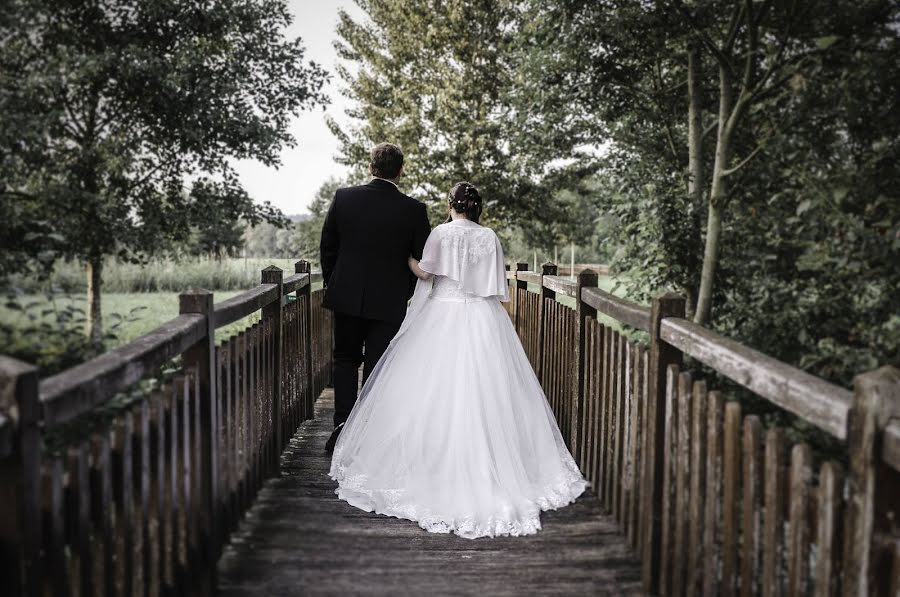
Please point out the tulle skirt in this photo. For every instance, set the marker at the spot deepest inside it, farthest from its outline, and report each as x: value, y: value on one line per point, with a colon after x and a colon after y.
x: 452, y: 429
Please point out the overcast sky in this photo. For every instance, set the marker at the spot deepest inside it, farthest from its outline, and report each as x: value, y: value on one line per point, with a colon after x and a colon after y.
x: 306, y: 166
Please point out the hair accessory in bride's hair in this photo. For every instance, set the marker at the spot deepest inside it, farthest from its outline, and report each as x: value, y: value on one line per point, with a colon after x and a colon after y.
x: 465, y: 199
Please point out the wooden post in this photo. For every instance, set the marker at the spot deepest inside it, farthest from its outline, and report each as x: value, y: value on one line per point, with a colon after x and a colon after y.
x: 20, y: 481
x: 872, y: 485
x: 520, y: 267
x: 548, y: 269
x: 303, y: 267
x: 661, y: 357
x: 508, y: 306
x: 585, y: 279
x: 202, y: 357
x: 274, y: 311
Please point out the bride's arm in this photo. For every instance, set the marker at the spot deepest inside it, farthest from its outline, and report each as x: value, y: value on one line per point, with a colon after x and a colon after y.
x: 419, y: 272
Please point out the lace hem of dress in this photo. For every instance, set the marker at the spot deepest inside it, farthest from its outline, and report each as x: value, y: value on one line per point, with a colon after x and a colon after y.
x: 564, y: 490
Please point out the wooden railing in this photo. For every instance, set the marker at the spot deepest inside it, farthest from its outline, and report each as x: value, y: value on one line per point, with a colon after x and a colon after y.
x: 712, y: 502
x: 108, y: 490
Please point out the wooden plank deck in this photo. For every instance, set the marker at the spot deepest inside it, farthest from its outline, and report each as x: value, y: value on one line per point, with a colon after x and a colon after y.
x: 299, y: 539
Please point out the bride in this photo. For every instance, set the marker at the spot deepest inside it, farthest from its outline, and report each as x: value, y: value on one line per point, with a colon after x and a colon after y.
x: 452, y: 428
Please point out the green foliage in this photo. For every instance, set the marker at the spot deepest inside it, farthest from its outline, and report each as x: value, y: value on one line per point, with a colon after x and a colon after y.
x: 109, y: 109
x: 48, y: 331
x: 441, y: 80
x: 218, y: 214
x: 47, y: 328
x: 299, y: 237
x: 810, y: 253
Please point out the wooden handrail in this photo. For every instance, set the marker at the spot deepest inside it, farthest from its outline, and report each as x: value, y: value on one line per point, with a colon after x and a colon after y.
x: 819, y: 402
x: 242, y: 305
x: 75, y: 391
x: 559, y: 285
x: 633, y: 314
x: 532, y: 277
x: 294, y: 282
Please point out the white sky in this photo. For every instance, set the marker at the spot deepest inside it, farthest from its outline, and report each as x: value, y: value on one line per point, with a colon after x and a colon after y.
x: 311, y: 162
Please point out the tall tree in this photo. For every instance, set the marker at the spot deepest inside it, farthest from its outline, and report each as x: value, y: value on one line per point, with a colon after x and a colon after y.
x: 805, y: 210
x: 218, y: 212
x: 614, y: 72
x: 758, y: 47
x: 110, y: 108
x: 440, y: 78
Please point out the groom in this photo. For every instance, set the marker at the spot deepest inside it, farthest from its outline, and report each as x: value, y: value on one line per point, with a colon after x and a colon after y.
x: 369, y: 233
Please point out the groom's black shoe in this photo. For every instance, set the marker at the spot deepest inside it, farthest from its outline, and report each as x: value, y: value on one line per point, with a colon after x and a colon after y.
x: 329, y: 445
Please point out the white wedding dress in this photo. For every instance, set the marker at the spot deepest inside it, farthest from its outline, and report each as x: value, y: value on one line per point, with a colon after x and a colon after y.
x: 452, y: 429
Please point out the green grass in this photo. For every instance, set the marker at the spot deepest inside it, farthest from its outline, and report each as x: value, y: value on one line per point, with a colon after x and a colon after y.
x: 161, y: 275
x: 128, y: 315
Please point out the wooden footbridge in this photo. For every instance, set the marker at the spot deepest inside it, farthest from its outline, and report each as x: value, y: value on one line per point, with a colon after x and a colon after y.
x: 186, y: 463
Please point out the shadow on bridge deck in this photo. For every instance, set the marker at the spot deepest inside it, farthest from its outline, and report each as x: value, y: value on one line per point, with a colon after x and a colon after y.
x: 299, y: 539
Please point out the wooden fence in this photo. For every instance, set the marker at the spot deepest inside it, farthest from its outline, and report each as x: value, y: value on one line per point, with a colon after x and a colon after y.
x: 712, y: 502
x: 110, y: 491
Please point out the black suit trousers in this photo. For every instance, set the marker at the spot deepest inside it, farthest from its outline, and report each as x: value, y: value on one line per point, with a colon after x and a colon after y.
x: 356, y: 340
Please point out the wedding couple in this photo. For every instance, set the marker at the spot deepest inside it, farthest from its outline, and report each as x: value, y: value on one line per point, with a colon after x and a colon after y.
x: 451, y: 427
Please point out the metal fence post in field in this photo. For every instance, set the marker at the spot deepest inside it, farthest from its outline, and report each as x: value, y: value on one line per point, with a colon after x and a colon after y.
x: 274, y: 312
x: 662, y: 355
x: 585, y: 279
x: 873, y: 487
x: 20, y: 478
x: 202, y: 358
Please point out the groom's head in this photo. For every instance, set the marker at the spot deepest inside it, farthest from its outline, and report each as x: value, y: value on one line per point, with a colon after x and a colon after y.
x: 386, y: 161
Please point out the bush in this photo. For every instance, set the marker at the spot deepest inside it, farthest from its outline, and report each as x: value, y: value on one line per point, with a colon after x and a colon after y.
x: 50, y: 333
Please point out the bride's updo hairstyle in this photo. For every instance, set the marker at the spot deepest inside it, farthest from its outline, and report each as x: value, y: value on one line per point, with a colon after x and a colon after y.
x: 465, y: 199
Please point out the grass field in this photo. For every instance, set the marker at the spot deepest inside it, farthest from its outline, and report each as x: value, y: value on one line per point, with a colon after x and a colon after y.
x: 128, y: 315
x: 159, y: 275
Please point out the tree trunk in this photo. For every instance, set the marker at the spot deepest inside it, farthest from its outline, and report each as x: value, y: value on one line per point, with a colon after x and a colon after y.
x: 695, y: 146
x: 710, y: 258
x: 717, y: 196
x: 695, y: 129
x: 95, y: 315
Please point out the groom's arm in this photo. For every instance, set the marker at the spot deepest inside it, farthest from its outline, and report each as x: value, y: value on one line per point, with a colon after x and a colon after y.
x: 329, y: 243
x: 421, y: 231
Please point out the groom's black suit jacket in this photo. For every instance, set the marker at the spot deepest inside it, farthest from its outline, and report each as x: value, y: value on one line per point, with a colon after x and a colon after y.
x: 369, y: 233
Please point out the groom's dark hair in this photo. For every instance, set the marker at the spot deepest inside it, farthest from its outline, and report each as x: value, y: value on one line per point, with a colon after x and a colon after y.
x: 386, y: 160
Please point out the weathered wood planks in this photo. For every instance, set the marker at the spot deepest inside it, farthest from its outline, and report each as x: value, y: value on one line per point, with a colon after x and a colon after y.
x: 300, y: 538
x: 821, y: 403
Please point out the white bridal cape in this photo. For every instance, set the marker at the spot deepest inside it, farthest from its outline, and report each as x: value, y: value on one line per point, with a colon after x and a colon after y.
x: 452, y: 428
